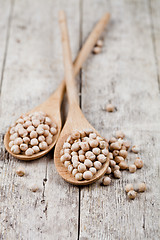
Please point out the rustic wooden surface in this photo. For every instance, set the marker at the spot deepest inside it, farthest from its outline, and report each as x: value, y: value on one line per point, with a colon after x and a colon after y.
x: 126, y: 73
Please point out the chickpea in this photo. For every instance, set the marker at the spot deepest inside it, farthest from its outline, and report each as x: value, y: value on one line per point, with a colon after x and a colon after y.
x: 123, y: 165
x: 35, y: 122
x: 67, y: 150
x: 79, y: 176
x: 75, y: 158
x: 99, y: 43
x: 26, y: 140
x: 112, y: 140
x: 12, y: 130
x: 127, y: 145
x: 11, y: 143
x: 33, y: 134
x: 27, y: 124
x: 53, y: 131
x: 81, y: 158
x: 65, y: 157
x: 115, y: 146
x: 119, y: 159
x: 93, y: 170
x: 76, y: 134
x: 93, y: 143
x: 23, y: 147
x: 115, y: 153
x: 93, y: 135
x: 88, y: 131
x: 114, y: 168
x: 22, y: 132
x: 70, y: 140
x: 20, y: 171
x: 75, y: 163
x: 87, y: 175
x: 29, y: 152
x: 49, y: 140
x: 75, y: 147
x: 96, y: 50
x: 30, y: 129
x: 34, y: 142
x: 106, y: 181
x: 81, y: 168
x: 120, y: 134
x: 40, y: 138
x: 40, y: 130
x: 105, y: 152
x: 82, y: 134
x: 46, y: 127
x: 70, y: 168
x: 81, y: 152
x: 132, y: 194
x: 74, y: 172
x: 108, y: 171
x: 67, y: 163
x: 112, y: 163
x: 96, y: 151
x: 132, y: 168
x: 18, y: 141
x: 110, y: 155
x: 90, y: 155
x: 117, y: 174
x: 35, y: 149
x: 43, y: 145
x: 123, y: 153
x: 129, y: 187
x: 88, y: 163
x: 48, y: 121
x: 110, y: 108
x: 138, y: 162
x: 97, y: 165
x: 101, y: 158
x: 142, y: 187
x: 15, y: 149
x: 102, y: 144
x: 85, y: 146
x: 74, y: 153
x: 66, y: 145
x: 135, y: 149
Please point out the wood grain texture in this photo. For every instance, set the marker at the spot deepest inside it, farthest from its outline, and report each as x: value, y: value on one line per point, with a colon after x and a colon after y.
x: 125, y: 75
x: 33, y: 70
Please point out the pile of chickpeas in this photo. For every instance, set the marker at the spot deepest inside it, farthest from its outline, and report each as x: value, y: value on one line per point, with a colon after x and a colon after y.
x: 118, y: 152
x: 32, y: 133
x: 84, y: 153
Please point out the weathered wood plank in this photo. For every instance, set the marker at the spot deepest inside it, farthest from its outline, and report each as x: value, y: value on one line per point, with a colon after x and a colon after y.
x: 124, y: 74
x: 33, y: 69
x: 155, y: 28
x: 5, y: 15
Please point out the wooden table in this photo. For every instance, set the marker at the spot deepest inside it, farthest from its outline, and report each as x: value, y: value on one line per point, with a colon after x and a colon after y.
x: 125, y: 73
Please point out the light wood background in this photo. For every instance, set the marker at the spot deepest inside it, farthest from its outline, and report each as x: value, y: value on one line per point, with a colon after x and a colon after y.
x: 126, y: 73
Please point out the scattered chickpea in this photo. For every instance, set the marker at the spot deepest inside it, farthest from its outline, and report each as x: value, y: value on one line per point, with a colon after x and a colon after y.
x: 120, y: 134
x: 106, y: 181
x: 127, y: 145
x: 139, y: 163
x: 99, y: 43
x: 142, y: 187
x: 110, y: 108
x: 20, y: 171
x: 123, y: 153
x: 135, y: 149
x: 132, y: 168
x: 117, y: 174
x: 123, y: 165
x: 132, y: 194
x: 34, y: 188
x: 119, y: 159
x: 96, y: 50
x: 129, y: 187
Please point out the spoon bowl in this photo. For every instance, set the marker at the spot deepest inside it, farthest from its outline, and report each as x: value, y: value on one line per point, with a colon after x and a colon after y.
x: 80, y: 123
x: 52, y: 108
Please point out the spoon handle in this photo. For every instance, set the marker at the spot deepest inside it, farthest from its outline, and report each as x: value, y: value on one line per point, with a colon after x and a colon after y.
x: 71, y: 72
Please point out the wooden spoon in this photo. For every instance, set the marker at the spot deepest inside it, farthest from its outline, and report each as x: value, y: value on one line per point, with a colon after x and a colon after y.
x: 75, y: 119
x: 52, y: 105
